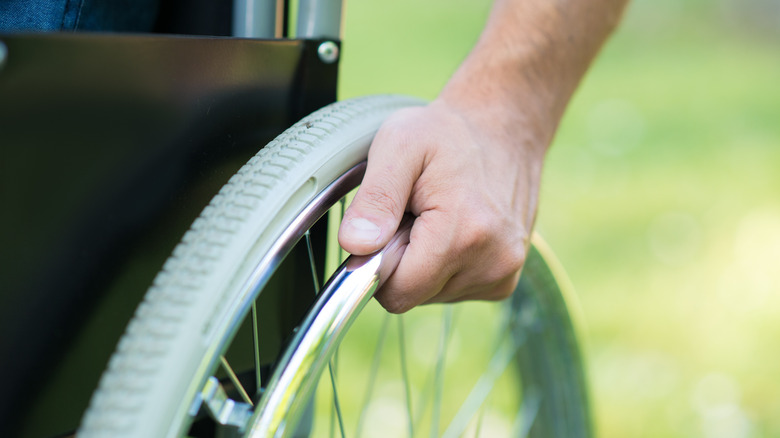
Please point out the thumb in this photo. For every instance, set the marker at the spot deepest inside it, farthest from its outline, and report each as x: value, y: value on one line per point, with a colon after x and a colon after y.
x: 376, y: 211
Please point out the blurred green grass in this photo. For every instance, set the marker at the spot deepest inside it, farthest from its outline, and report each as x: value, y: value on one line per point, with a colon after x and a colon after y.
x: 660, y: 196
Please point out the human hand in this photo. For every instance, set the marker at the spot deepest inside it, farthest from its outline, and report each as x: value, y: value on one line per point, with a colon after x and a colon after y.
x: 472, y: 186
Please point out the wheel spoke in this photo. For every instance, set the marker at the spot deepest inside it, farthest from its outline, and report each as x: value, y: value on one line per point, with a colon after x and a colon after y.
x: 505, y: 348
x: 429, y: 385
x: 478, y: 429
x: 315, y: 279
x: 336, y: 404
x: 256, y: 342
x: 484, y: 386
x: 424, y: 399
x: 312, y: 264
x: 405, y: 373
x: 233, y: 378
x: 373, y: 373
x: 438, y: 387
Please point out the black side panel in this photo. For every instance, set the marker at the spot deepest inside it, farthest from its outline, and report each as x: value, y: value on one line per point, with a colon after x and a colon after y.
x: 109, y: 147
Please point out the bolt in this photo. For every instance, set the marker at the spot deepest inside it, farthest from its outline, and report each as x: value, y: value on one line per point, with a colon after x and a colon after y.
x: 3, y: 54
x: 328, y: 52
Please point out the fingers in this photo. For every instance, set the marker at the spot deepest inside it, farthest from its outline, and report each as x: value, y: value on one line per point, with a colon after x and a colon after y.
x: 424, y: 268
x: 449, y: 259
x: 372, y: 218
x: 496, y: 291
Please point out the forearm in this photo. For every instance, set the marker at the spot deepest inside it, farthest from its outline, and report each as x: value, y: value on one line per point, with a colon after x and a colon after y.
x: 528, y: 61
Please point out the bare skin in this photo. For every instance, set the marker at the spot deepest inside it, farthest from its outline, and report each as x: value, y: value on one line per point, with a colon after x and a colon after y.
x: 468, y: 165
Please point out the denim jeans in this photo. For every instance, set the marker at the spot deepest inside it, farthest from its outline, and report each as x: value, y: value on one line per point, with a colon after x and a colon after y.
x: 77, y: 15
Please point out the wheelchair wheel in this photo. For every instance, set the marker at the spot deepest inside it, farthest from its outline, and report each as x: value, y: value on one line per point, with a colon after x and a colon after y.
x: 234, y: 334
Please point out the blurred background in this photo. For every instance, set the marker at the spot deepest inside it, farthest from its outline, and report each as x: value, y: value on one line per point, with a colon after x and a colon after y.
x: 661, y: 196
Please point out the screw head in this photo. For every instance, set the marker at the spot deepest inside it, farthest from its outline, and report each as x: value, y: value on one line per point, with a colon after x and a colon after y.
x: 328, y: 52
x: 3, y: 54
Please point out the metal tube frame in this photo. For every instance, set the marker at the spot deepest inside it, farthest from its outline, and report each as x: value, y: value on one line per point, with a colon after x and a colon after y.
x: 317, y: 19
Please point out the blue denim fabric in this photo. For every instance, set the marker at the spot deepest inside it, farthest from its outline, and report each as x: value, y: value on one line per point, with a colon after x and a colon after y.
x: 77, y: 15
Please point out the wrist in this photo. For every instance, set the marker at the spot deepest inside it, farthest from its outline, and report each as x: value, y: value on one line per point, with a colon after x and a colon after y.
x: 513, y: 113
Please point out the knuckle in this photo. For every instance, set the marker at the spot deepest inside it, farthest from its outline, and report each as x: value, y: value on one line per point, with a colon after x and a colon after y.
x: 497, y: 262
x: 508, y: 263
x: 514, y: 257
x: 478, y: 234
x: 482, y: 233
x: 396, y: 130
x: 404, y: 116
